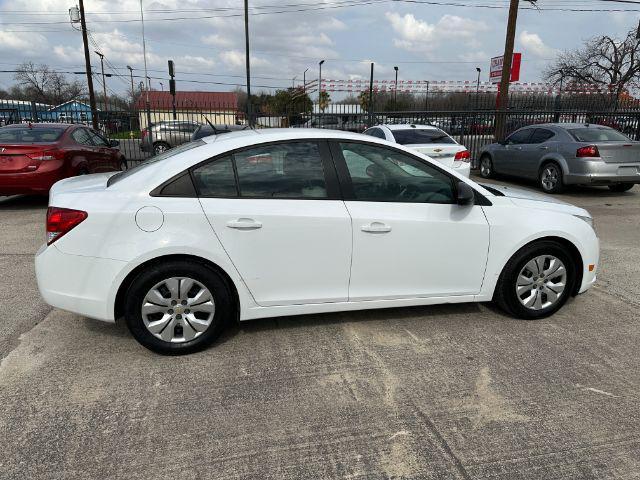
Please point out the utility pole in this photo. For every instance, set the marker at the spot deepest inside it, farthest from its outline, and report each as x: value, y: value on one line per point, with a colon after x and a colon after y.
x: 104, y: 82
x: 503, y: 93
x: 293, y: 82
x: 395, y: 90
x: 246, y: 41
x: 133, y: 93
x: 87, y: 61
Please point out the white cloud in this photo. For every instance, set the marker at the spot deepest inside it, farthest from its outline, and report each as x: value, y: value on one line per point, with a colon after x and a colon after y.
x: 532, y: 43
x: 24, y: 43
x: 419, y: 36
x: 217, y: 40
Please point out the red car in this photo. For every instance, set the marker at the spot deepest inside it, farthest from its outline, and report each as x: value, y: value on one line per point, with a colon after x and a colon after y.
x: 35, y: 156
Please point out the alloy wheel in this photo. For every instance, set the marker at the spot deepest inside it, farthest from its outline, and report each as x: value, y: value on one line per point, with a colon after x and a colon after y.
x: 160, y: 148
x: 541, y: 282
x: 550, y: 177
x: 485, y: 167
x: 178, y: 309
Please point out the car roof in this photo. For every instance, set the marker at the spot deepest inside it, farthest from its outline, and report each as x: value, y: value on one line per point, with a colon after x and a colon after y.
x: 567, y: 125
x: 405, y: 126
x: 60, y: 126
x: 275, y: 134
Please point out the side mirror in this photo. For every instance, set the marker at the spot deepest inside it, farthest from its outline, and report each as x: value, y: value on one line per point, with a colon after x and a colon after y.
x: 465, y: 194
x: 114, y: 143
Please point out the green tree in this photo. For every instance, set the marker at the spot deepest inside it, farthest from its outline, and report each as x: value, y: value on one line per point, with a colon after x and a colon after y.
x: 324, y: 100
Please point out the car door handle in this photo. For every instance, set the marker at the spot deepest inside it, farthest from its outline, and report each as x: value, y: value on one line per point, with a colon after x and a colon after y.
x: 376, y: 227
x: 543, y: 148
x: 244, y: 224
x: 518, y: 148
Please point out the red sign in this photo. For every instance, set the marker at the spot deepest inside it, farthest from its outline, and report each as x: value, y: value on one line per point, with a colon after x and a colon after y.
x: 495, y: 71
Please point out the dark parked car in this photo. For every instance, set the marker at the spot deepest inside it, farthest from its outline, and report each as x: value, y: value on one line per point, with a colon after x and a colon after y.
x: 208, y: 130
x: 559, y: 154
x: 35, y: 156
x: 166, y: 135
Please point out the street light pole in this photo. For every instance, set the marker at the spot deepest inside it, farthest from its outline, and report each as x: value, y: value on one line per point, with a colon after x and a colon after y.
x: 133, y: 93
x: 147, y: 103
x: 395, y: 90
x: 104, y: 82
x: 304, y: 81
x: 320, y: 81
x: 478, y: 88
x: 293, y: 82
x: 161, y: 86
x: 87, y: 61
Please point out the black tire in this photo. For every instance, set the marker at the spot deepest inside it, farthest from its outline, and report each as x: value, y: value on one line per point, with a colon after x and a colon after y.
x: 555, y: 171
x: 486, y: 169
x: 124, y: 165
x: 160, y: 147
x: 506, y: 295
x: 621, y: 187
x: 145, y: 281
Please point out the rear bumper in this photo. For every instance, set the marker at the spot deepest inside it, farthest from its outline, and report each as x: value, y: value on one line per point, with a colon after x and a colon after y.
x: 76, y: 283
x: 602, y: 173
x: 463, y: 169
x: 38, y: 181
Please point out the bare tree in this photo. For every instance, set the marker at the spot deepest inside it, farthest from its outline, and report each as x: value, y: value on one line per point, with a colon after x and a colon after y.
x: 40, y: 83
x: 605, y: 61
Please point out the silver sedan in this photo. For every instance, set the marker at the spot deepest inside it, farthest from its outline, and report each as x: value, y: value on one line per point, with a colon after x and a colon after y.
x: 560, y: 154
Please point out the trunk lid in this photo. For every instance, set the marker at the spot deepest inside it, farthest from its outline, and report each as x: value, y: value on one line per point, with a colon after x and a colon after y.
x: 15, y: 159
x: 442, y: 153
x: 619, y: 152
x: 82, y: 183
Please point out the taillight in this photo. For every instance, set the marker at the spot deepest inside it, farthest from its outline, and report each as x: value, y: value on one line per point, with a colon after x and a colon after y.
x: 588, y: 151
x: 463, y: 155
x: 46, y: 155
x: 62, y: 220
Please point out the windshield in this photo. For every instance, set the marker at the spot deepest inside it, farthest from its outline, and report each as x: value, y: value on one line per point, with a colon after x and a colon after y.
x: 18, y: 135
x: 153, y: 160
x: 415, y: 136
x: 598, y: 134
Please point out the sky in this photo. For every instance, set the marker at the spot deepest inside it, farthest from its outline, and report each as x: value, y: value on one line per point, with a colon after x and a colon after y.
x: 205, y: 38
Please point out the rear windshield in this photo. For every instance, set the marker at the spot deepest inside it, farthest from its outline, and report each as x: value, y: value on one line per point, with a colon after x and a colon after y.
x: 413, y: 136
x: 598, y: 134
x: 17, y: 135
x: 153, y: 160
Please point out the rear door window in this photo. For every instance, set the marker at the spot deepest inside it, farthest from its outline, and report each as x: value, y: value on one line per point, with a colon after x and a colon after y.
x: 541, y: 135
x: 82, y: 136
x: 416, y: 136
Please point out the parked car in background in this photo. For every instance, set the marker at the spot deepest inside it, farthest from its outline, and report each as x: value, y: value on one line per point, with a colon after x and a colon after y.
x: 429, y: 140
x: 166, y: 135
x: 35, y: 156
x: 348, y: 122
x: 207, y: 130
x: 560, y: 154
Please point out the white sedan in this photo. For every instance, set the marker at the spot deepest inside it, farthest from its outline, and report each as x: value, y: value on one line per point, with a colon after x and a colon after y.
x: 293, y: 221
x: 431, y: 141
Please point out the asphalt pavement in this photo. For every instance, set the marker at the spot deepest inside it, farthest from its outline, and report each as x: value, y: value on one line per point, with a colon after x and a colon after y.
x: 440, y: 392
